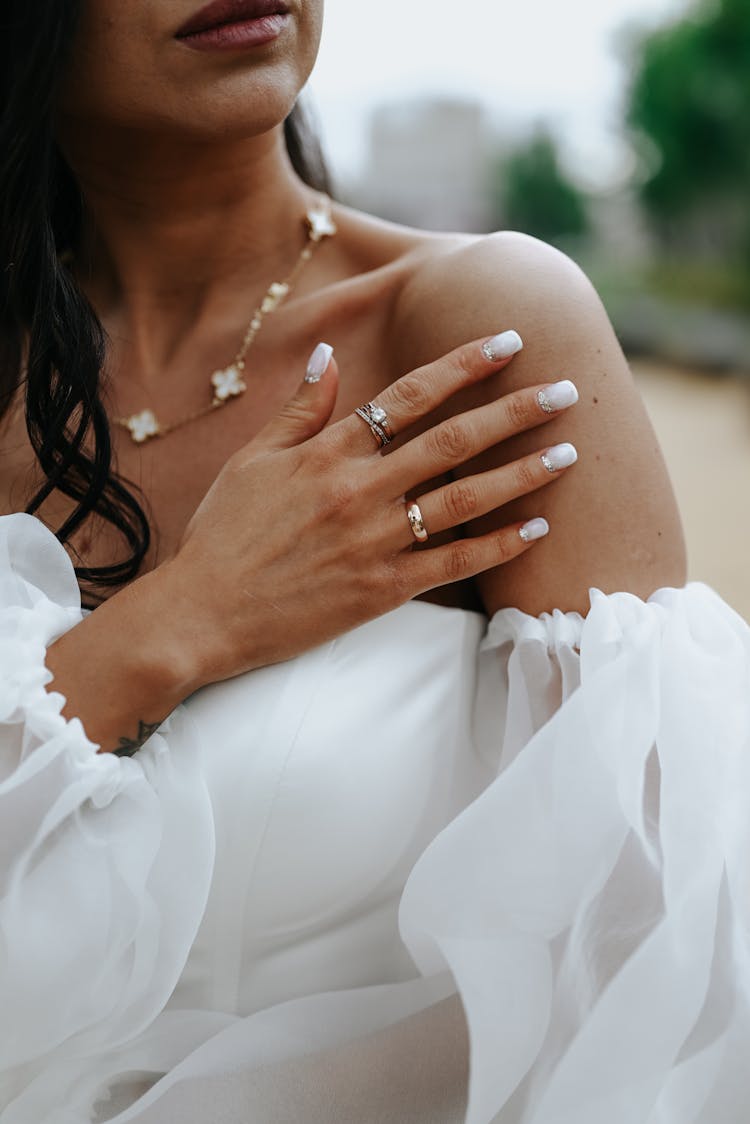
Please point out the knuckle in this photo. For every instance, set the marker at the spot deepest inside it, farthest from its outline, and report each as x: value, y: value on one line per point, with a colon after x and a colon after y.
x: 465, y: 362
x: 295, y: 420
x: 457, y: 561
x: 325, y: 454
x: 394, y: 582
x: 525, y: 477
x: 450, y: 442
x: 518, y: 412
x: 341, y: 494
x: 409, y: 396
x: 504, y: 548
x: 381, y: 587
x: 323, y: 451
x: 294, y: 411
x: 461, y: 501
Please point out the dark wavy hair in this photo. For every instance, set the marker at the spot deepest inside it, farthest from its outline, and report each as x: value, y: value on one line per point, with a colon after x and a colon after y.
x: 51, y: 339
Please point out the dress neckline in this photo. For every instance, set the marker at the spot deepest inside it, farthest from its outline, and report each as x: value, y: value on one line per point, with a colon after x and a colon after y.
x: 449, y: 608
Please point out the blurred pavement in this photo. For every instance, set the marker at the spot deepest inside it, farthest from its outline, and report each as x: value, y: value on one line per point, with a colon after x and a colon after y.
x: 703, y: 425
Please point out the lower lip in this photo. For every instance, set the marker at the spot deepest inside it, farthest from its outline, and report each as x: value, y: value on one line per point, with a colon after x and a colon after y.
x: 237, y: 36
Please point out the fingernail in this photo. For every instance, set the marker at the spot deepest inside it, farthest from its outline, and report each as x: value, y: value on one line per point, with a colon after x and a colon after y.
x: 559, y: 456
x: 558, y: 396
x: 318, y: 363
x: 502, y: 346
x: 534, y: 529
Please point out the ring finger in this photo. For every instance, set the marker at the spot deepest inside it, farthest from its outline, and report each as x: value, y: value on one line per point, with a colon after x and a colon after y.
x: 473, y: 496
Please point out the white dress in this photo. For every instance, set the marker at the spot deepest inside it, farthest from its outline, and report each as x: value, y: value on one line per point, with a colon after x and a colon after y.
x: 292, y: 903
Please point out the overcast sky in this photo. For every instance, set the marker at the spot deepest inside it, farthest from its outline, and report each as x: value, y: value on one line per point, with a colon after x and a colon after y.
x: 525, y: 59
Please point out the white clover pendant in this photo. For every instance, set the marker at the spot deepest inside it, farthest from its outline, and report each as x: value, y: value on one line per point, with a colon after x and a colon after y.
x: 227, y: 383
x: 142, y: 426
x: 321, y: 223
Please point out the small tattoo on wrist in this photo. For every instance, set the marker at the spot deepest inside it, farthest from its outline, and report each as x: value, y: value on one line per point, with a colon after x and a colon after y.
x: 129, y: 746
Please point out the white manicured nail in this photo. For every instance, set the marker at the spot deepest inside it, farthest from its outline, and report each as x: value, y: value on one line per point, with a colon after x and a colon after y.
x: 557, y: 396
x: 534, y: 529
x: 559, y: 456
x: 502, y: 346
x: 319, y: 361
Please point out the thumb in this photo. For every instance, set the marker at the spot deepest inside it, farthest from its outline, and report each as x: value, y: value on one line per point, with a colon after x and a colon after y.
x: 308, y: 410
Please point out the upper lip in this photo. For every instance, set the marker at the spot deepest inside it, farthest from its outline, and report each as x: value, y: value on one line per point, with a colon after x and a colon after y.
x: 230, y: 11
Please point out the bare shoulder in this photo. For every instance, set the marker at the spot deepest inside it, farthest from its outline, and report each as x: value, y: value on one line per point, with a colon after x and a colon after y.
x: 481, y: 284
x: 613, y: 517
x: 370, y: 243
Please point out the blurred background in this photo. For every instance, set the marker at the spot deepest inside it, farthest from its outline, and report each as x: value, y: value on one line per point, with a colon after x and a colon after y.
x: 620, y: 132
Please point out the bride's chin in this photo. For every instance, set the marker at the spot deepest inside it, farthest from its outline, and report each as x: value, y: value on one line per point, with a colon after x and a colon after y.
x: 198, y: 101
x: 229, y: 124
x: 245, y: 103
x: 210, y: 115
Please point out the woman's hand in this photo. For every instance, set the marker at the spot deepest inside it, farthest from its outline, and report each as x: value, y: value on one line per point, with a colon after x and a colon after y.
x: 304, y: 533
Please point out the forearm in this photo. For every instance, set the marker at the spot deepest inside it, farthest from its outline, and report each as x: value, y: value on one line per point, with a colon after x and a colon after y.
x: 127, y: 665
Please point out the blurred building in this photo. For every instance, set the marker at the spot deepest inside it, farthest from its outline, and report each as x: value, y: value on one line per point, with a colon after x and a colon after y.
x: 428, y: 165
x: 620, y: 232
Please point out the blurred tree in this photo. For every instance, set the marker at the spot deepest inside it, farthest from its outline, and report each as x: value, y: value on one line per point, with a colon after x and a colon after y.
x: 689, y: 106
x: 533, y: 194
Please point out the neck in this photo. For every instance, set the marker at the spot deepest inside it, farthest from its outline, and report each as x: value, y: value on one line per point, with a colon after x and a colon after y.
x: 177, y: 232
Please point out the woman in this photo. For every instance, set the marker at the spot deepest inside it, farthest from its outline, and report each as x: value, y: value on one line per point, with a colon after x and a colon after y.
x: 344, y: 819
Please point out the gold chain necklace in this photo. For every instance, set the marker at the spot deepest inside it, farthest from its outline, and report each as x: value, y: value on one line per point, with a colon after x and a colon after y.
x: 227, y: 383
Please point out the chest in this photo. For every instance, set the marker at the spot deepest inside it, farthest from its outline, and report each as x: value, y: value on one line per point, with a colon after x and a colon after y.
x: 172, y: 474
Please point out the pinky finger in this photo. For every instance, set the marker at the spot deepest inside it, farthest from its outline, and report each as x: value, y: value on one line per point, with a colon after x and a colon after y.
x: 466, y: 558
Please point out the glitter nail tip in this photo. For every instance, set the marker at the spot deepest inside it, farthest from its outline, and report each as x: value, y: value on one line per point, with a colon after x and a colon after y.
x: 502, y: 346
x: 558, y: 396
x: 559, y: 457
x: 534, y: 529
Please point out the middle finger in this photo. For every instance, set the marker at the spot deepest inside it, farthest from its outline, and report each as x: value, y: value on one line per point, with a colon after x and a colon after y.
x: 461, y: 501
x: 458, y: 439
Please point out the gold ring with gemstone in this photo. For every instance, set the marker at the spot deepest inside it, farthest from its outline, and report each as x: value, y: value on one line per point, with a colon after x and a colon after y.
x: 416, y: 522
x: 377, y: 419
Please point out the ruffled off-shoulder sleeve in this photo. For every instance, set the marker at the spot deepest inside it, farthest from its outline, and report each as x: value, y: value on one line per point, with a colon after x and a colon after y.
x: 104, y: 862
x: 593, y: 904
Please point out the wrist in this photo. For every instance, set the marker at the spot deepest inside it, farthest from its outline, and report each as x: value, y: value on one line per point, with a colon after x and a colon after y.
x: 217, y: 640
x: 166, y: 637
x: 125, y: 667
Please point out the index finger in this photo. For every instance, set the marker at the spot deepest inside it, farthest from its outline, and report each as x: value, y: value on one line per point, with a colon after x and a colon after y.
x: 423, y: 389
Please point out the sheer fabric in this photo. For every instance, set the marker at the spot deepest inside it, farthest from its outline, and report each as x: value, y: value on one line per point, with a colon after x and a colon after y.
x: 440, y: 869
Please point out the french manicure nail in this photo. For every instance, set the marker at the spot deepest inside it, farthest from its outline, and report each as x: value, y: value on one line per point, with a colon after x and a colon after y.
x: 502, y: 346
x: 559, y: 457
x: 557, y: 396
x: 318, y: 363
x: 534, y: 529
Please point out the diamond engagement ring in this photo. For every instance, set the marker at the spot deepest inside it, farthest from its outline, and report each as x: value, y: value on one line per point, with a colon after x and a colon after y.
x: 377, y: 419
x: 416, y: 522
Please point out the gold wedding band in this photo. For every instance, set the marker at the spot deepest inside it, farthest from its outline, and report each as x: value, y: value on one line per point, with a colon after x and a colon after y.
x: 416, y: 522
x: 377, y: 419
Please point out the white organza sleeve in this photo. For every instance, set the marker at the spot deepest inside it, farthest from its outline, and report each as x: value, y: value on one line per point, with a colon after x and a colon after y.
x: 593, y: 905
x: 104, y: 862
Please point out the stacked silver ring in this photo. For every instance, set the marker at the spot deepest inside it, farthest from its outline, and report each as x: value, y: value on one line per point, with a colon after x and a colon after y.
x: 377, y: 419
